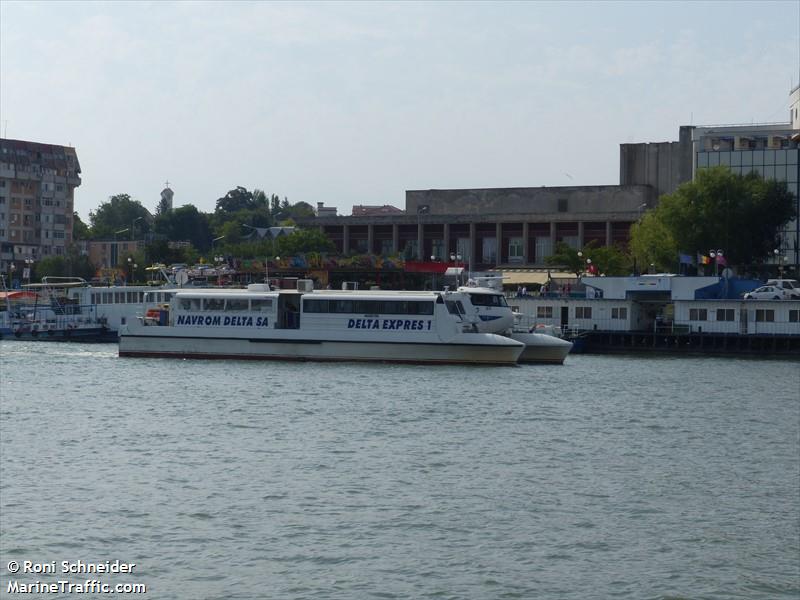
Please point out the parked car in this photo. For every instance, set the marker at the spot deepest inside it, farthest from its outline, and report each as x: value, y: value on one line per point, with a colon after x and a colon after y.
x: 766, y: 292
x: 790, y: 286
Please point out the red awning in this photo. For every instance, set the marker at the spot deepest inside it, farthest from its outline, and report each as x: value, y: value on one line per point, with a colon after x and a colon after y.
x: 17, y: 295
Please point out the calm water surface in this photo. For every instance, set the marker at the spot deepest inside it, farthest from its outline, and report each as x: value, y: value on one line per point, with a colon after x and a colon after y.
x: 609, y: 477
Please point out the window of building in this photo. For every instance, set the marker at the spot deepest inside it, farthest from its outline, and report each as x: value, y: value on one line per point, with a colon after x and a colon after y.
x: 563, y: 205
x: 766, y: 315
x: 619, y: 313
x: 515, y: 249
x: 725, y: 314
x: 437, y: 249
x: 583, y: 312
x: 698, y: 314
x: 544, y: 312
x: 794, y: 315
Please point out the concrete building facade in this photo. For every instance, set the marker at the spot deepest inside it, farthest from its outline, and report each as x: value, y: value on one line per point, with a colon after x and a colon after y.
x: 495, y: 226
x: 37, y: 184
x: 771, y: 150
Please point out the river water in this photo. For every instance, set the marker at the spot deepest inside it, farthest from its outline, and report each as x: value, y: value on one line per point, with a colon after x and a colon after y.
x: 606, y: 477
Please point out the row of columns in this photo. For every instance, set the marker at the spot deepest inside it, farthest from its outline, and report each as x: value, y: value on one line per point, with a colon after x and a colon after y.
x: 472, y: 236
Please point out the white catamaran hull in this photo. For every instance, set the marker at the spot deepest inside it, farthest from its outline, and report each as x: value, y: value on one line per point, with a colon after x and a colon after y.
x: 501, y: 351
x: 541, y: 348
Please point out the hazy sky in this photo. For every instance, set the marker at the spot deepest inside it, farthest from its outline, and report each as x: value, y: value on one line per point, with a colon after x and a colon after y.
x: 354, y: 103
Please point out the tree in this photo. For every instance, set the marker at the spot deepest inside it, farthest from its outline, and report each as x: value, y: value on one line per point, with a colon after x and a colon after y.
x: 301, y: 241
x: 120, y: 212
x: 80, y: 231
x: 718, y: 210
x: 185, y: 223
x: 163, y: 206
x: 299, y: 210
x: 73, y: 264
x: 652, y: 243
x: 608, y: 260
x: 236, y: 199
x: 566, y: 256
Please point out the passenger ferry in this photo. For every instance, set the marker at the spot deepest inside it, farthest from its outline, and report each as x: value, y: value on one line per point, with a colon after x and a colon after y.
x: 45, y: 312
x: 302, y: 324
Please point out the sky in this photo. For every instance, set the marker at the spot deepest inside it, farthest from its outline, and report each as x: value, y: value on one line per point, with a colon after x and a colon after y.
x: 355, y: 103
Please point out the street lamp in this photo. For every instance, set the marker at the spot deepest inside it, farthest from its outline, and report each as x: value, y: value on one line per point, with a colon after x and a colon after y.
x: 133, y: 226
x: 215, y: 240
x: 132, y: 266
x: 115, y: 250
x: 266, y: 266
x: 781, y: 260
x: 28, y: 269
x: 456, y: 258
x: 588, y: 261
x: 716, y: 256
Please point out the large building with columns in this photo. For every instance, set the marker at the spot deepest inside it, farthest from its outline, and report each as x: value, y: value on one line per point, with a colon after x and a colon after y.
x: 495, y: 226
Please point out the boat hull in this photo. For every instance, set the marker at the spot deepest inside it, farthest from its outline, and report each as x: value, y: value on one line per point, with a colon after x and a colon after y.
x: 155, y: 345
x: 542, y: 348
x: 86, y: 335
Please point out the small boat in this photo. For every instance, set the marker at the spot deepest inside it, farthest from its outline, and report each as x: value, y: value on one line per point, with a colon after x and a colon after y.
x: 303, y: 324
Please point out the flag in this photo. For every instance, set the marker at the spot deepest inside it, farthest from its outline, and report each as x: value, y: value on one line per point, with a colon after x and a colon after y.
x: 703, y: 259
x: 685, y: 259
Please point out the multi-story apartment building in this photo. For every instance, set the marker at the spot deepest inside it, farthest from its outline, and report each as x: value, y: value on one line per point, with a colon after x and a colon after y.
x: 37, y: 185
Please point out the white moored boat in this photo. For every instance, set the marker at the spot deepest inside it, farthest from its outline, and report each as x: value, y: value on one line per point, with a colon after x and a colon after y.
x: 491, y: 314
x: 257, y: 323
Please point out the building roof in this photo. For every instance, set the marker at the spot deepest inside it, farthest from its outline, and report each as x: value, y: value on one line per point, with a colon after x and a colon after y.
x: 363, y: 210
x: 21, y: 152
